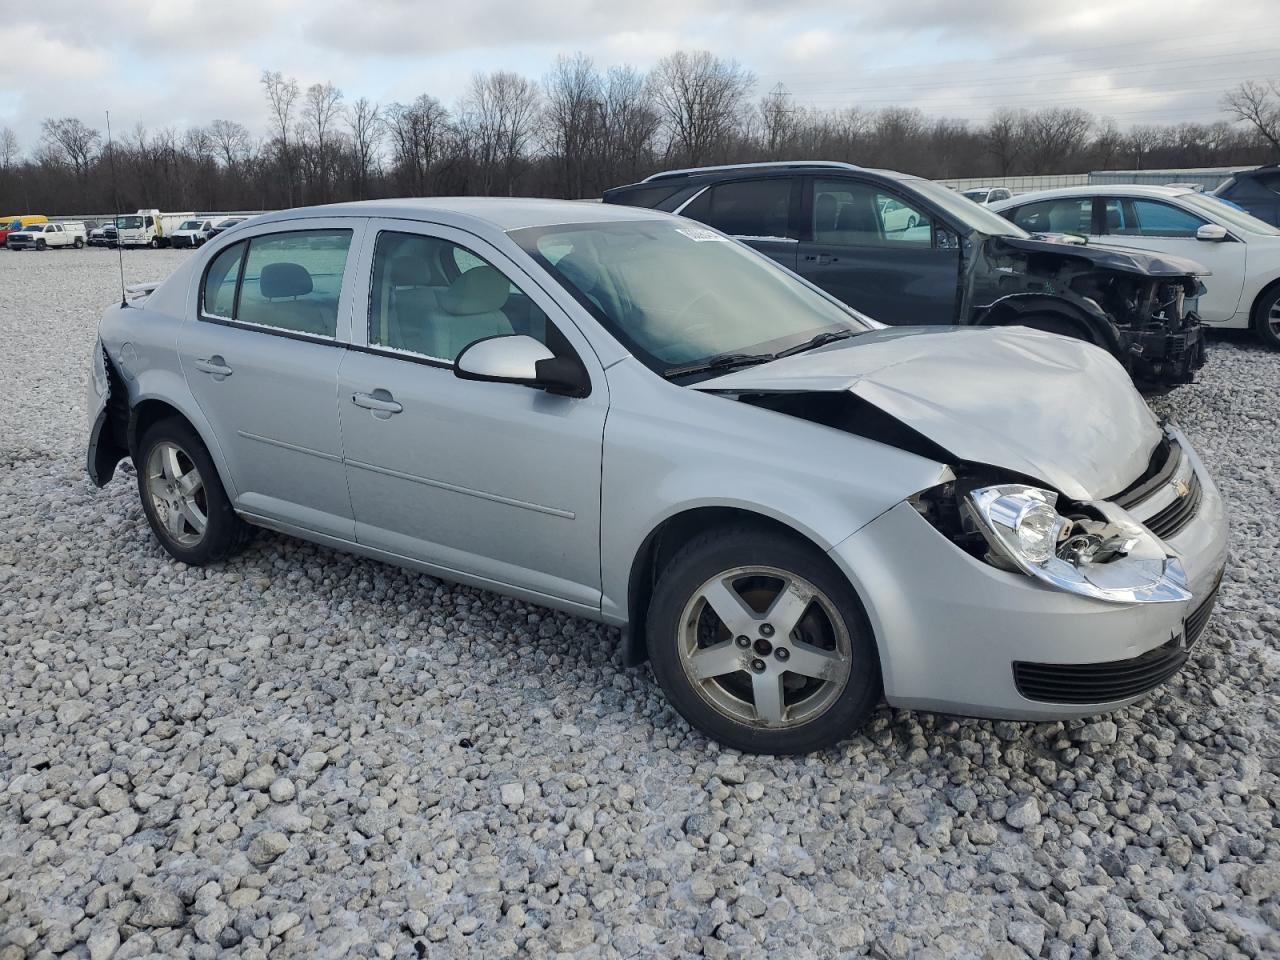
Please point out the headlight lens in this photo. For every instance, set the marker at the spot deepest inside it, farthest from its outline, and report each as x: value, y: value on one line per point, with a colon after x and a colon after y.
x: 1106, y: 555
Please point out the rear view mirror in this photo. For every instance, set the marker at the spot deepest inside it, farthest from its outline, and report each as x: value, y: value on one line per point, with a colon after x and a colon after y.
x: 521, y: 359
x: 1212, y: 232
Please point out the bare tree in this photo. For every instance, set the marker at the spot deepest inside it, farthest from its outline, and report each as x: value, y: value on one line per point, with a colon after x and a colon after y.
x: 1056, y: 135
x: 9, y: 151
x: 231, y: 140
x: 418, y: 133
x: 1258, y: 105
x: 1141, y: 140
x: 73, y: 141
x: 777, y: 121
x: 364, y: 120
x: 630, y: 127
x: 282, y: 95
x: 497, y: 118
x: 1003, y: 138
x: 700, y: 98
x: 322, y: 107
x: 573, y: 116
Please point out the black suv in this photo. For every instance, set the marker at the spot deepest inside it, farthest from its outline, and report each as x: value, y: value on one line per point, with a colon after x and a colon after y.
x: 909, y: 251
x: 1256, y: 191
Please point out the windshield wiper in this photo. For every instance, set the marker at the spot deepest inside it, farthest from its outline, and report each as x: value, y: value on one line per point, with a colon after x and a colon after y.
x: 724, y: 361
x: 821, y: 340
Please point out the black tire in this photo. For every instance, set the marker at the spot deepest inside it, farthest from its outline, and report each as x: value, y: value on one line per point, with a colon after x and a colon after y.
x: 78, y: 243
x: 1265, y: 325
x: 155, y: 243
x: 224, y: 533
x: 1048, y: 323
x: 706, y: 558
x: 41, y: 245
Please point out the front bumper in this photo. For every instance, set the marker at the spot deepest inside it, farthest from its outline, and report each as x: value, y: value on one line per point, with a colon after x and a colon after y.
x: 957, y: 635
x: 1161, y: 357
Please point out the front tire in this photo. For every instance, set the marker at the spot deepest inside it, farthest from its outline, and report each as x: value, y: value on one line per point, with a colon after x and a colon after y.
x: 41, y: 245
x: 1266, y: 318
x: 760, y: 642
x: 155, y: 243
x: 183, y: 497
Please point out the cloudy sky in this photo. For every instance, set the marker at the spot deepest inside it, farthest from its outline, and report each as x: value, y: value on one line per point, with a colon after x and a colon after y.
x: 173, y: 62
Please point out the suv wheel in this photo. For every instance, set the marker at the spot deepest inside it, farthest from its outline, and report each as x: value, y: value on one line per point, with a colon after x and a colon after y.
x: 1266, y: 318
x: 183, y: 497
x: 760, y: 642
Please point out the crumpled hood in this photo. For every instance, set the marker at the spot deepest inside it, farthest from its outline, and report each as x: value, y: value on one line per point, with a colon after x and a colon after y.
x: 1151, y: 263
x: 1059, y: 410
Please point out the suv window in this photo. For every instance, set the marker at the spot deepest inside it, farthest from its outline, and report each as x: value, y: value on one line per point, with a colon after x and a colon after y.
x: 745, y: 208
x: 858, y: 214
x: 1149, y: 218
x: 289, y: 281
x: 432, y: 297
x: 1061, y: 215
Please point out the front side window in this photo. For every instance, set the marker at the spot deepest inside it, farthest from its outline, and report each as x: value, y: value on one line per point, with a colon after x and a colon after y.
x: 433, y: 298
x: 289, y: 281
x: 1149, y: 218
x: 745, y: 208
x: 1059, y: 215
x: 674, y: 293
x: 857, y: 214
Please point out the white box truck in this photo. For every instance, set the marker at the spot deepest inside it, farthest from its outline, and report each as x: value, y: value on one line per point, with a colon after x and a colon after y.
x: 148, y: 228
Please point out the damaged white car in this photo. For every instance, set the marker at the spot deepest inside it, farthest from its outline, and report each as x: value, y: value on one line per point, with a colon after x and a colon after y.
x: 787, y: 508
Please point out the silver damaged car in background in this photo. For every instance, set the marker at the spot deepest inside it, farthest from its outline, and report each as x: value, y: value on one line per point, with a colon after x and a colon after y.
x: 789, y: 509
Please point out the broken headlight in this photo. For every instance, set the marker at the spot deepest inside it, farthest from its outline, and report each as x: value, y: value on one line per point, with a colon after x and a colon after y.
x: 1098, y: 551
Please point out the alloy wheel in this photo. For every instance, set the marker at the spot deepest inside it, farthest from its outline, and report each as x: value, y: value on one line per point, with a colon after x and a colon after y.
x: 1273, y: 318
x: 765, y: 647
x: 177, y: 493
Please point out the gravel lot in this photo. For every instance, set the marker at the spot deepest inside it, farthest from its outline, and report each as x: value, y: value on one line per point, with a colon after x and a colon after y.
x: 304, y: 754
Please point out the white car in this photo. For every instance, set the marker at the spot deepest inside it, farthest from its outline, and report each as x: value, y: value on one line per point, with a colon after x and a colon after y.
x: 1242, y: 251
x: 986, y: 195
x: 41, y: 236
x: 193, y: 233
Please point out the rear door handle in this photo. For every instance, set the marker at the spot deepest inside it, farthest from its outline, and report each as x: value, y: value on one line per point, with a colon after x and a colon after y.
x: 380, y: 401
x: 215, y: 366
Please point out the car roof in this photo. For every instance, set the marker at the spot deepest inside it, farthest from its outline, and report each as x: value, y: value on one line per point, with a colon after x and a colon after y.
x: 1102, y: 190
x: 502, y: 213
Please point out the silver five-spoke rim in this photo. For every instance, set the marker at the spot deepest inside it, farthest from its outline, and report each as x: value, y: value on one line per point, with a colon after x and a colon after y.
x: 765, y: 647
x: 177, y: 493
x: 1273, y: 318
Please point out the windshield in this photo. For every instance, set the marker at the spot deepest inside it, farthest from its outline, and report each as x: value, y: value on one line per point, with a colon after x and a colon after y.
x: 972, y: 215
x: 190, y: 225
x: 977, y: 196
x: 34, y: 228
x: 1229, y: 214
x: 128, y: 223
x: 675, y: 293
x: 230, y: 222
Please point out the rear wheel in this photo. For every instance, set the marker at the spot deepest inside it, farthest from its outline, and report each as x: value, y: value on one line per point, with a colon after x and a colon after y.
x: 183, y: 498
x: 760, y: 642
x: 78, y: 243
x: 1266, y: 318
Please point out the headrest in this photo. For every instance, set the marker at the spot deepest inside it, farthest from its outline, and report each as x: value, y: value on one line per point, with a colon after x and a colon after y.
x: 410, y: 272
x: 573, y: 270
x: 284, y: 280
x: 480, y: 290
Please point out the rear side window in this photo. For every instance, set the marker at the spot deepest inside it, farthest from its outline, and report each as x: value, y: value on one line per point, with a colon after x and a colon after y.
x: 745, y: 208
x: 288, y: 281
x: 1063, y: 215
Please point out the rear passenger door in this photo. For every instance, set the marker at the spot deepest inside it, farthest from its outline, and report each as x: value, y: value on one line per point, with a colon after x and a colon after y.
x: 879, y: 251
x: 261, y: 357
x: 496, y: 483
x: 760, y: 213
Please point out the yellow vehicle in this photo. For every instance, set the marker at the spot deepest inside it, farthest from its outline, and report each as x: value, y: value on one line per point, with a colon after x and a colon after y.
x: 17, y: 222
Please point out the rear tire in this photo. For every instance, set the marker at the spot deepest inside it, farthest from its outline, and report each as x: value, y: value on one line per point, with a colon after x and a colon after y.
x: 802, y: 685
x: 78, y: 244
x: 1266, y: 318
x: 183, y: 497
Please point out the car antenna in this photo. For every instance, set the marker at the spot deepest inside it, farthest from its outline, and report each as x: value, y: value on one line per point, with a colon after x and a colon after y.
x: 115, y: 190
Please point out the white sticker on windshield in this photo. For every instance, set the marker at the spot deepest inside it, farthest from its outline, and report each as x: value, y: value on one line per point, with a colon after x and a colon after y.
x: 699, y: 235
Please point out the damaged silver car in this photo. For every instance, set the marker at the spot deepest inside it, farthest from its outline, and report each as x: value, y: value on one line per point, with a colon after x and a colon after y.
x: 788, y: 509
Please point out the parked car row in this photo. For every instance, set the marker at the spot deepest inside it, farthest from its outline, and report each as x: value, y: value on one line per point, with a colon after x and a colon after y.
x: 905, y: 250
x: 43, y: 236
x: 789, y: 508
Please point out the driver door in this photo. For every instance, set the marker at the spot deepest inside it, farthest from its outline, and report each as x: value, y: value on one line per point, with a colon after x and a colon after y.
x: 487, y: 482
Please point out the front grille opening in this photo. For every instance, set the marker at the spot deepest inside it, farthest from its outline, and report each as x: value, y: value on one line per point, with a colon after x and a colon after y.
x: 1171, y: 519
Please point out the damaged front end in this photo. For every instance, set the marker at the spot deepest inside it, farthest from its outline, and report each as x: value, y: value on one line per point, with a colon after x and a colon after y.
x: 1139, y: 306
x: 108, y: 408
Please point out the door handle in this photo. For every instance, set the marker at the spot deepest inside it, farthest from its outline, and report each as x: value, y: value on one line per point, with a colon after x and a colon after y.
x: 822, y: 258
x: 380, y: 401
x: 215, y: 366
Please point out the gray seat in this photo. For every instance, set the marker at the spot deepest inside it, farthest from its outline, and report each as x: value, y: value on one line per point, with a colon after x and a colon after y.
x: 470, y: 310
x: 280, y: 285
x: 1064, y: 217
x: 413, y: 302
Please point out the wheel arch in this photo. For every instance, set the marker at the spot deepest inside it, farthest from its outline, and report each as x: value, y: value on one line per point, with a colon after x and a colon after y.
x: 1010, y: 310
x: 1264, y: 294
x: 153, y: 406
x: 668, y: 536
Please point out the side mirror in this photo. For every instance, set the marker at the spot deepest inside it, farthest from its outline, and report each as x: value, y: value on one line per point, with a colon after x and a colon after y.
x: 1212, y: 232
x: 516, y: 358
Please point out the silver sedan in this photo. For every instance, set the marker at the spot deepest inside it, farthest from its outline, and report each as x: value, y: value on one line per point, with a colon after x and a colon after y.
x: 789, y: 510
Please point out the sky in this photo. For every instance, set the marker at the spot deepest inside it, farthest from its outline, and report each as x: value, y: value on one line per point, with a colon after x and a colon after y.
x: 180, y: 63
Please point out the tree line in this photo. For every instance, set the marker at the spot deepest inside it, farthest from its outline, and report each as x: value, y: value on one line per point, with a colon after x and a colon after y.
x: 575, y: 132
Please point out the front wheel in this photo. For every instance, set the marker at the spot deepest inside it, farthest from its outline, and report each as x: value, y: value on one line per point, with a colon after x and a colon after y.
x: 1266, y: 319
x: 155, y: 243
x: 183, y: 498
x: 760, y: 642
x: 41, y: 245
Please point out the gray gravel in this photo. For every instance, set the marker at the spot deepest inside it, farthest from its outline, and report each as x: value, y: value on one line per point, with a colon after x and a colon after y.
x: 304, y: 754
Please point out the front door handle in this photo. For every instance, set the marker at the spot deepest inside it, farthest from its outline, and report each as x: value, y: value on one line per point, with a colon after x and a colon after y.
x: 380, y: 402
x: 215, y: 366
x: 822, y: 258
